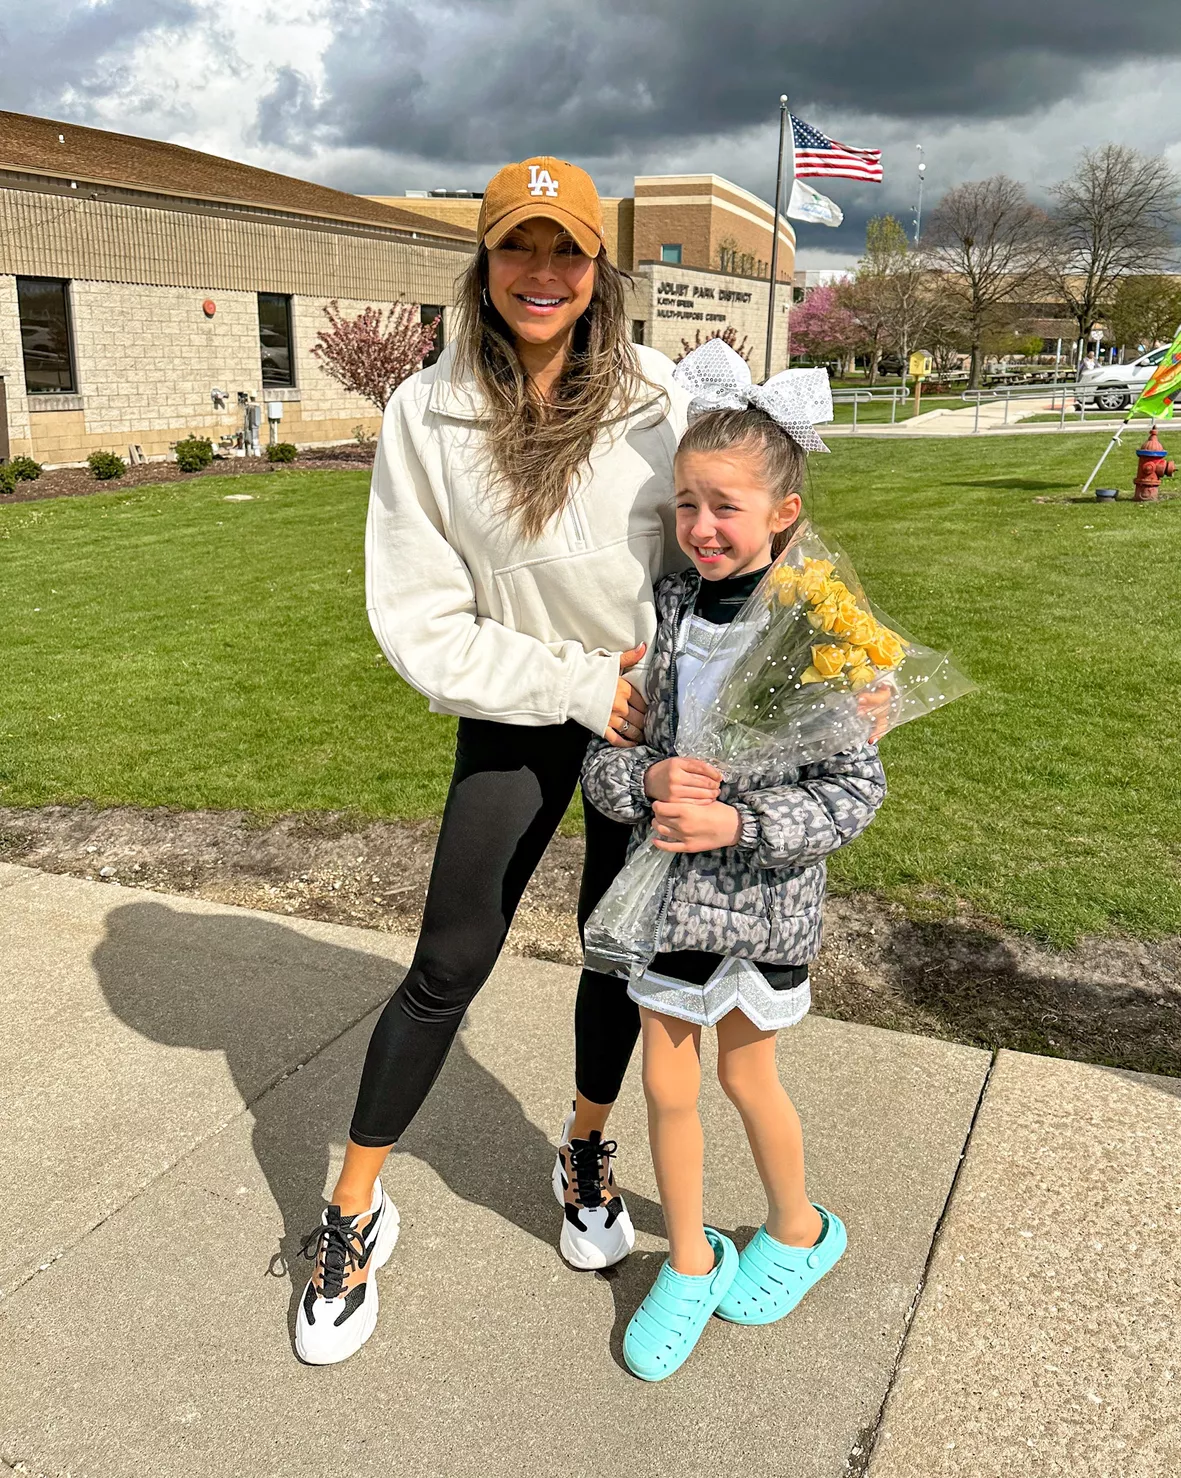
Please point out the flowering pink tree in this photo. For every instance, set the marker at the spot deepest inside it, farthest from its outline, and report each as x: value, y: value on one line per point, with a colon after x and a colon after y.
x: 370, y: 356
x: 821, y: 328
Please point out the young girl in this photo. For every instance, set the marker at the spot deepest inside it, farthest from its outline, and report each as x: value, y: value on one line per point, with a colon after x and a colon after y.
x: 744, y: 916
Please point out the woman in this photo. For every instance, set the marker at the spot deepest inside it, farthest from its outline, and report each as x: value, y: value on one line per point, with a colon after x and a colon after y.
x: 521, y: 512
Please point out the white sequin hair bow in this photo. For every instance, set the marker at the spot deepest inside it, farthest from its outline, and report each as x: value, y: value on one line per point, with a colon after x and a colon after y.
x: 719, y: 379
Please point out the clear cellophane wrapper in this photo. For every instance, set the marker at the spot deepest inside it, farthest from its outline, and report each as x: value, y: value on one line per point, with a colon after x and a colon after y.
x: 808, y: 669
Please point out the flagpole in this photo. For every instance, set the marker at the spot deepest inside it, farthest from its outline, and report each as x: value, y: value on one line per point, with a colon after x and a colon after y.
x: 775, y: 236
x: 1113, y: 442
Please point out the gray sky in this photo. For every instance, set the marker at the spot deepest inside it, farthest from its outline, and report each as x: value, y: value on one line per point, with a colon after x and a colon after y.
x: 381, y: 96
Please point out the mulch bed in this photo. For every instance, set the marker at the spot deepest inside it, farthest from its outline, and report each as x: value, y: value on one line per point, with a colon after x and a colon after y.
x: 77, y: 482
x: 1114, y: 1001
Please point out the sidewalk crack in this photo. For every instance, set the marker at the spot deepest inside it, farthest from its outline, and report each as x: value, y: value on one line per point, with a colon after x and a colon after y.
x: 281, y: 1077
x: 857, y: 1463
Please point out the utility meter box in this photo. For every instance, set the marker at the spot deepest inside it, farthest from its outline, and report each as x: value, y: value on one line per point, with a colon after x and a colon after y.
x: 274, y: 410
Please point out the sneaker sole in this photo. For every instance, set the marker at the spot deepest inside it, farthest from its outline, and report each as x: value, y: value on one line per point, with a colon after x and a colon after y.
x: 387, y: 1239
x: 597, y: 1259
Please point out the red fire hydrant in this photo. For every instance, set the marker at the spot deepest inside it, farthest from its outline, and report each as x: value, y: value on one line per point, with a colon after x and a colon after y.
x: 1155, y: 463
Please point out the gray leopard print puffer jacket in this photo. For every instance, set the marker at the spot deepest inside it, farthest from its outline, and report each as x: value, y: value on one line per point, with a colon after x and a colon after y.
x: 762, y: 899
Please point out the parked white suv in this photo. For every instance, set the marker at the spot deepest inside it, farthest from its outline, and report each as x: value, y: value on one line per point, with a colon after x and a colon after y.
x: 1113, y: 387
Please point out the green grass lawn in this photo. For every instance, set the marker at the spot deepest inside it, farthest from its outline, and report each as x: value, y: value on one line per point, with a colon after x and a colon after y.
x: 165, y: 647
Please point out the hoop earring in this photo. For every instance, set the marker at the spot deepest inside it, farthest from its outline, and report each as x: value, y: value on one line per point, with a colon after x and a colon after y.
x: 484, y: 298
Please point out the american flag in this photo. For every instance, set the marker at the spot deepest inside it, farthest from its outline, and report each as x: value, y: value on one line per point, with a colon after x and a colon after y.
x: 817, y: 154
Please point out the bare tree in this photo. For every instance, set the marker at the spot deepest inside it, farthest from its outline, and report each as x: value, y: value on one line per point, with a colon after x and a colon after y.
x: 371, y: 355
x: 888, y: 296
x: 1145, y: 310
x: 989, y: 240
x: 728, y: 336
x: 1115, y: 214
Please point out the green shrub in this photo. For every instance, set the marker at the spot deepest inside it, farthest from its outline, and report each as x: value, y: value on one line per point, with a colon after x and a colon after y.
x: 194, y: 453
x: 282, y: 451
x: 106, y: 465
x: 8, y: 479
x: 24, y: 469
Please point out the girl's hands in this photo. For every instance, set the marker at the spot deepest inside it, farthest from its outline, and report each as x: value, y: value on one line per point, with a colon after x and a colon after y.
x: 625, y: 727
x: 689, y: 826
x: 680, y: 779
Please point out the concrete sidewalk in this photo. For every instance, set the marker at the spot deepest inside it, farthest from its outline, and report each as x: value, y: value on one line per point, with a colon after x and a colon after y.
x: 177, y: 1085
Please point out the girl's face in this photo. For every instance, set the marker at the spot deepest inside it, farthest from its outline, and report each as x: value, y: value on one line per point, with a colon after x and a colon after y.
x: 540, y: 281
x: 726, y: 515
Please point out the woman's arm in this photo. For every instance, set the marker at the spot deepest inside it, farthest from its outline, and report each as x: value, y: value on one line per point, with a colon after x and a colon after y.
x: 832, y: 802
x: 422, y: 608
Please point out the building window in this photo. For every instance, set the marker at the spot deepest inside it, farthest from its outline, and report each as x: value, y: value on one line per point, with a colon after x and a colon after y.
x: 671, y: 252
x: 426, y: 313
x: 637, y: 330
x: 274, y: 337
x: 798, y: 294
x: 44, y: 306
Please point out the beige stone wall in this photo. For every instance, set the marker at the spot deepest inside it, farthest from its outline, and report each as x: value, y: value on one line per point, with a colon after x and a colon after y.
x: 46, y: 234
x: 680, y: 301
x: 146, y: 359
x: 12, y: 368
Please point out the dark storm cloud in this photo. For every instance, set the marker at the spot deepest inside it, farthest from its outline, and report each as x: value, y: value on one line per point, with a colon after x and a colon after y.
x: 476, y: 79
x: 68, y: 48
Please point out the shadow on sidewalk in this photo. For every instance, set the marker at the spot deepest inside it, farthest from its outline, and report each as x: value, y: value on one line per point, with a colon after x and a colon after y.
x: 267, y: 997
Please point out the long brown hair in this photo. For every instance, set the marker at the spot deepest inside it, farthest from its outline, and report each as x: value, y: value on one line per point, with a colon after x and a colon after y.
x: 537, y: 447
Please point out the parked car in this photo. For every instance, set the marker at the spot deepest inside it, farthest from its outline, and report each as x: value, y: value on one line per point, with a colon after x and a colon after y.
x: 1113, y: 387
x: 890, y: 364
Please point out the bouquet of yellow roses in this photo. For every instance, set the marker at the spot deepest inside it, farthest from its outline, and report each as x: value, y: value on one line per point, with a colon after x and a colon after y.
x: 808, y: 669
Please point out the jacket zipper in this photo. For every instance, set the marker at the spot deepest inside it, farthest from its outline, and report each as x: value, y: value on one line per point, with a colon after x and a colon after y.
x: 575, y: 520
x: 674, y: 708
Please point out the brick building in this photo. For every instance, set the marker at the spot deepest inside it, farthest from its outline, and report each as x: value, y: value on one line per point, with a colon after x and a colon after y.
x: 144, y: 287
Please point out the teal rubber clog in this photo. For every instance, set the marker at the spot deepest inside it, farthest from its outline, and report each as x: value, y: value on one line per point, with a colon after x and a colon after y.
x: 666, y: 1327
x: 773, y: 1277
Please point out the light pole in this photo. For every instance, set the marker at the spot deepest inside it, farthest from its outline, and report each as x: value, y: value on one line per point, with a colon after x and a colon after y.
x: 918, y: 210
x: 775, y: 235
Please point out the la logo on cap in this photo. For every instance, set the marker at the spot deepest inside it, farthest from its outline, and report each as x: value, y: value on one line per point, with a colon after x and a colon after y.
x: 541, y: 182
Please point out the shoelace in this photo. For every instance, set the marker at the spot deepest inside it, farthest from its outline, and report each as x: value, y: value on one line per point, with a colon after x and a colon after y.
x: 590, y: 1159
x: 339, y: 1247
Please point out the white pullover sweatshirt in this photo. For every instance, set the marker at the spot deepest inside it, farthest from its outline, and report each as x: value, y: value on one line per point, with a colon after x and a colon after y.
x: 484, y: 622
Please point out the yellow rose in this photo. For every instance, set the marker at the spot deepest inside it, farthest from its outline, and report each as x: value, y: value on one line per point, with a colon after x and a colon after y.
x: 784, y: 584
x: 885, y: 649
x: 855, y: 657
x: 813, y: 585
x: 860, y: 677
x: 828, y: 661
x: 845, y: 616
x: 810, y: 675
x: 862, y: 627
x: 824, y: 566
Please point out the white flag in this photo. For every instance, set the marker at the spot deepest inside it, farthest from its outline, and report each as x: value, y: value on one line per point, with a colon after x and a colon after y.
x: 807, y: 204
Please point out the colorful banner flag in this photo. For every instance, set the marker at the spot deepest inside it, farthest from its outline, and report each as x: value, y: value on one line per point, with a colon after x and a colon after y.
x: 807, y: 204
x: 1156, y: 399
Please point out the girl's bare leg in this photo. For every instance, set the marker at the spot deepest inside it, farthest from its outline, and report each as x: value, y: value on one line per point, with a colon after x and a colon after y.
x: 750, y: 1078
x: 362, y: 1166
x: 672, y: 1080
x: 588, y: 1117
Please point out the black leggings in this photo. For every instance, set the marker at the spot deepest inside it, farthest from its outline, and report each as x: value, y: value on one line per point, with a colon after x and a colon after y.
x: 510, y: 790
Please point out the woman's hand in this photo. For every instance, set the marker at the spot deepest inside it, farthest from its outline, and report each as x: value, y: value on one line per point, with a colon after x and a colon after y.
x: 688, y: 826
x: 682, y: 780
x: 625, y: 727
x: 876, y: 703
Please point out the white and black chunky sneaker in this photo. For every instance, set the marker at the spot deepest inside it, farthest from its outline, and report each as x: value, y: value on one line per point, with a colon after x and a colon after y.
x: 597, y: 1231
x: 338, y: 1310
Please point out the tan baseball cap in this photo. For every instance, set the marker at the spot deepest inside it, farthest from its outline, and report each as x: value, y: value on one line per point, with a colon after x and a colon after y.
x: 546, y: 187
